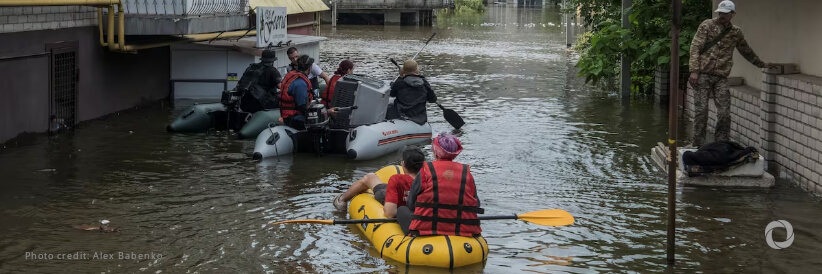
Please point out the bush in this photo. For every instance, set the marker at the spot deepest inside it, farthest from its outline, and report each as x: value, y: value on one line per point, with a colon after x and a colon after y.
x: 647, y: 42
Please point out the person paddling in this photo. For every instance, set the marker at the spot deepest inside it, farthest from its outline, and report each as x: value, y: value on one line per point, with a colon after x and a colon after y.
x: 393, y: 194
x: 443, y: 198
x: 412, y: 91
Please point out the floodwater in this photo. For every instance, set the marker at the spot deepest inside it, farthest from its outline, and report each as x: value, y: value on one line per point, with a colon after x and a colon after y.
x: 536, y: 138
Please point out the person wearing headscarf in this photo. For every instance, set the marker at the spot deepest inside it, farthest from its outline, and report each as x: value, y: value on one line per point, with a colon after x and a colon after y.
x: 443, y: 197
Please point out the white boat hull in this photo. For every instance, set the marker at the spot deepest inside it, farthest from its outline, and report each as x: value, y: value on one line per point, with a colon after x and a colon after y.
x: 361, y: 143
x: 372, y: 141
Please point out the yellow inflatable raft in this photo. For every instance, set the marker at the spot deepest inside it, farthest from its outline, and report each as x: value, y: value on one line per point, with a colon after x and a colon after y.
x: 388, y: 239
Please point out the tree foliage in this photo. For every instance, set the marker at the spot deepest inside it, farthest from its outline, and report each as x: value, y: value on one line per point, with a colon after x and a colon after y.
x: 469, y: 6
x: 647, y: 42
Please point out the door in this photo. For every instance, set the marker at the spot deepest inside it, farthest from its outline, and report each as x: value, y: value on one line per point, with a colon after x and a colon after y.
x: 63, y: 92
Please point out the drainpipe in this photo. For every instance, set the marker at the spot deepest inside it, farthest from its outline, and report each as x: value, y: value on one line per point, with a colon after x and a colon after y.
x: 100, y: 26
x: 121, y: 35
x: 110, y: 26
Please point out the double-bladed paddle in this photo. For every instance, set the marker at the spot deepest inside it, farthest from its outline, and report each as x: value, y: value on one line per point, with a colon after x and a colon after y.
x: 451, y: 116
x: 546, y: 217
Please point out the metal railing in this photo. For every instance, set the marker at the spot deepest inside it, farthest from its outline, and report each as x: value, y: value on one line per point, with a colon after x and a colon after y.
x: 394, y: 4
x: 180, y: 8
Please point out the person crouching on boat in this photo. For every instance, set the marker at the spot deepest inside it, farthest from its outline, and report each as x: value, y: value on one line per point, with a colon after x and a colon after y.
x: 295, y: 94
x: 346, y: 67
x: 443, y: 197
x: 394, y: 193
x: 411, y: 91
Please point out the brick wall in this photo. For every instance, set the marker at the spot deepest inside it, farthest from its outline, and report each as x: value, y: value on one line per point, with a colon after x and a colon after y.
x: 17, y: 19
x: 783, y: 120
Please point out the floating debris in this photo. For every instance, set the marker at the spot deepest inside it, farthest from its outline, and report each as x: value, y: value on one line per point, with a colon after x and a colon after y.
x: 103, y: 227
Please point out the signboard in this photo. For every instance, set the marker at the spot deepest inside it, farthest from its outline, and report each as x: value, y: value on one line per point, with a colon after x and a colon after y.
x: 271, y: 26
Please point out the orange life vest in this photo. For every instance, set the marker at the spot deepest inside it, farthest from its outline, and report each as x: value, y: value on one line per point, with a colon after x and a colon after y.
x: 288, y: 107
x: 448, y: 204
x: 328, y: 94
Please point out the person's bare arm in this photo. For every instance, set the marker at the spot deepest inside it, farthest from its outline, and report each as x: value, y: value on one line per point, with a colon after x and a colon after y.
x: 390, y: 209
x: 325, y: 77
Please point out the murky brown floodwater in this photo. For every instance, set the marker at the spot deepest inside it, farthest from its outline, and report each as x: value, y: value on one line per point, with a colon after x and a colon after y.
x: 535, y: 136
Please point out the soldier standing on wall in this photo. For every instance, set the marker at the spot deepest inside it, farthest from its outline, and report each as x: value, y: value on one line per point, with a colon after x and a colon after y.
x: 710, y: 64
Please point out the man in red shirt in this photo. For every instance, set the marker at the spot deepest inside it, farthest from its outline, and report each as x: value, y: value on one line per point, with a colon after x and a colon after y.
x: 391, y: 195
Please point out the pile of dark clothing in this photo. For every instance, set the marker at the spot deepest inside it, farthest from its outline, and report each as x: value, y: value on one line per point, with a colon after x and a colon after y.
x: 717, y: 157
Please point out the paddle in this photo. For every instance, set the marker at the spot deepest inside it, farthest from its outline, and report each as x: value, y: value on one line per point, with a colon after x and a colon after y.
x: 546, y: 217
x: 450, y: 115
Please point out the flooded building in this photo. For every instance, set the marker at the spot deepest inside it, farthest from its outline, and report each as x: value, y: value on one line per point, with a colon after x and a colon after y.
x: 385, y: 12
x: 67, y: 61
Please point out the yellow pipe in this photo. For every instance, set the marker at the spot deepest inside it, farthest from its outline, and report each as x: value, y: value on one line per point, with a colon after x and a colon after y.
x: 111, y: 27
x: 8, y: 3
x: 100, y: 26
x: 122, y: 28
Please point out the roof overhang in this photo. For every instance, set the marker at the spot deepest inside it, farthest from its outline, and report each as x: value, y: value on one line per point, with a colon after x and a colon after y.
x: 248, y: 45
x: 292, y: 6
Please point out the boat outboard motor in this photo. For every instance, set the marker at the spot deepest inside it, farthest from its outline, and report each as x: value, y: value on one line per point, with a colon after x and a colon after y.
x: 317, y: 115
x: 316, y: 123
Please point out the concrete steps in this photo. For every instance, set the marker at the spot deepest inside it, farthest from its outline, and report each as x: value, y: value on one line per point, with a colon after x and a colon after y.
x: 751, y: 175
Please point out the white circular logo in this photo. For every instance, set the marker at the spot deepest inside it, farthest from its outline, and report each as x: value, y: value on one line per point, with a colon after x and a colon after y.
x: 769, y: 234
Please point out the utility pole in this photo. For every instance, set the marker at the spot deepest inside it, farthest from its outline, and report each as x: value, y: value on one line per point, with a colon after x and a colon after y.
x: 625, y: 64
x: 567, y: 17
x: 673, y: 109
x: 334, y: 14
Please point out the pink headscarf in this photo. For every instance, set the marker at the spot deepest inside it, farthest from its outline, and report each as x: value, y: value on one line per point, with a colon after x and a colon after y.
x: 446, y: 147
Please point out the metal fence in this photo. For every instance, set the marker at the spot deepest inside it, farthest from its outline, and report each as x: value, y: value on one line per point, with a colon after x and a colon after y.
x: 175, y: 8
x: 394, y: 4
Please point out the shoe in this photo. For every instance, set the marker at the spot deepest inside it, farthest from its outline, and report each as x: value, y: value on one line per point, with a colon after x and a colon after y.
x: 338, y: 203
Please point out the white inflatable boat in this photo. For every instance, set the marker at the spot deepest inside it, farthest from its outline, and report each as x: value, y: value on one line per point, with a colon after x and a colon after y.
x: 359, y: 130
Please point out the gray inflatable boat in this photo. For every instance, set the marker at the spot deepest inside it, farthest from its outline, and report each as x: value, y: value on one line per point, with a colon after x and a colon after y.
x: 205, y: 117
x: 359, y: 130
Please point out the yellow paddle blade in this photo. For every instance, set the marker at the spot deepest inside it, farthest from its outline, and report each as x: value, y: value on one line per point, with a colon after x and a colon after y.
x: 551, y: 217
x: 306, y: 221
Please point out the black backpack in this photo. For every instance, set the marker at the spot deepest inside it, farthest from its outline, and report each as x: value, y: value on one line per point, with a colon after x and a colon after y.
x: 254, y: 97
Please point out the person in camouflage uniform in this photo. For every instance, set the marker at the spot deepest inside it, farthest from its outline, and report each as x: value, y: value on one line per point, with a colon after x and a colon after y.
x: 711, y: 60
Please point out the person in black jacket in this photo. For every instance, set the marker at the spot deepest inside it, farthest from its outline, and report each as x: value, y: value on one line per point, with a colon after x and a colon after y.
x: 258, y: 85
x: 411, y: 91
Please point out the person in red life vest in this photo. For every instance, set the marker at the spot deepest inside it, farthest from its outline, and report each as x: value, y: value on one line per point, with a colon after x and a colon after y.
x: 443, y: 198
x: 346, y: 67
x: 395, y: 193
x: 296, y: 94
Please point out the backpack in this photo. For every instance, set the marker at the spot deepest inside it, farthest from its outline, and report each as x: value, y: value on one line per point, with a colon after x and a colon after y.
x: 254, y: 97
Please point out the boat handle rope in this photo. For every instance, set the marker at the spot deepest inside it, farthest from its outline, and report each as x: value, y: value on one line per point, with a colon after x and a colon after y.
x: 276, y: 150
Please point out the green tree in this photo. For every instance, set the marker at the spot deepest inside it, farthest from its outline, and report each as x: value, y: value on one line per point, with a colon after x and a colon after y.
x: 647, y: 41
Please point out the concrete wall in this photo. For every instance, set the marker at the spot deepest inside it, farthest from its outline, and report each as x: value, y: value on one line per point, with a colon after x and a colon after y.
x: 108, y: 82
x: 22, y: 85
x: 782, y: 119
x: 779, y: 32
x: 207, y: 63
x: 17, y: 19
